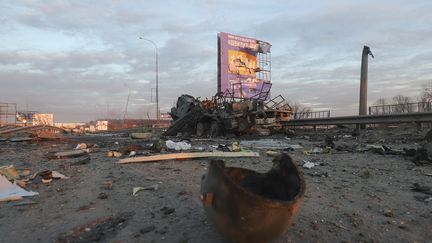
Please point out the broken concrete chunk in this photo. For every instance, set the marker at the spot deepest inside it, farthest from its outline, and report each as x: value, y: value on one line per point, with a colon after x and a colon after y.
x: 66, y: 154
x: 58, y: 175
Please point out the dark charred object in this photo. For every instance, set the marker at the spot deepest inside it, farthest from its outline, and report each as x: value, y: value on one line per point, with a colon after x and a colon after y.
x: 222, y: 115
x: 247, y: 206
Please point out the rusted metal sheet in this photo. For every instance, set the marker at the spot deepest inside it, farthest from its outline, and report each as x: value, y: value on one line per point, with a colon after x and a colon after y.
x: 247, y: 206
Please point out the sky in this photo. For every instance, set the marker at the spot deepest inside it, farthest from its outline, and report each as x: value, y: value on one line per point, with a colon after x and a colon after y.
x: 81, y: 59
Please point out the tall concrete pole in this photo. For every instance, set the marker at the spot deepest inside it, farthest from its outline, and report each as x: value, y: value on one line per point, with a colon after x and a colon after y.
x: 364, y: 81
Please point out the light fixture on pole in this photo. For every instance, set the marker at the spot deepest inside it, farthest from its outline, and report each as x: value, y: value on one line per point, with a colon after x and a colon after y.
x: 157, y: 74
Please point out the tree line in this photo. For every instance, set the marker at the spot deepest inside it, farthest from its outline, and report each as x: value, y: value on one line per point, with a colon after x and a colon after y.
x: 404, y: 104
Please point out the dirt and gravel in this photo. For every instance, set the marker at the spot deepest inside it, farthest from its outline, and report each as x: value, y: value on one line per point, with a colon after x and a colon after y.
x: 353, y: 194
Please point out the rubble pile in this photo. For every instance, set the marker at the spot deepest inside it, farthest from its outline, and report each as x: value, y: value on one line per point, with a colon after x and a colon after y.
x: 146, y: 188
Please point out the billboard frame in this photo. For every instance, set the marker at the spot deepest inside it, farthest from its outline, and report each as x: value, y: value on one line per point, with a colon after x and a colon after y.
x: 244, y: 67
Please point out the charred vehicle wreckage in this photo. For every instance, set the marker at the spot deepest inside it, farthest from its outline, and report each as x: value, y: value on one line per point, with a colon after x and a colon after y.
x: 242, y: 104
x: 223, y: 115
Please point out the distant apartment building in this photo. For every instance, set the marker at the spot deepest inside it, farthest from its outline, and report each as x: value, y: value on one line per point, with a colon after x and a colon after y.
x: 102, y: 125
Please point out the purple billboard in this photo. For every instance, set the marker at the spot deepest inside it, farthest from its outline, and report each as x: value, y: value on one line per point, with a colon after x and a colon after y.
x: 238, y: 67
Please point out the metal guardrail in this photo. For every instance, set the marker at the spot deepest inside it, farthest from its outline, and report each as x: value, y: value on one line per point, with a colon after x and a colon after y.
x: 417, y: 117
x: 400, y: 108
x: 310, y: 115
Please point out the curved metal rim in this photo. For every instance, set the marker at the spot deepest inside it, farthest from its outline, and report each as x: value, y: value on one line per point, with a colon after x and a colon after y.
x: 272, y: 202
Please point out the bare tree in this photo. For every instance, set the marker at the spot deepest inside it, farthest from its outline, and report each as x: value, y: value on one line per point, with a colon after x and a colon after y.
x: 380, y: 106
x: 300, y: 110
x: 401, y: 104
x: 426, y: 94
x: 381, y: 101
x: 425, y: 99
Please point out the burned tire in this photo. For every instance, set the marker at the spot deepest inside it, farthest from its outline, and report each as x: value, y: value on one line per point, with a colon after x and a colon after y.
x: 214, y: 129
x: 200, y: 129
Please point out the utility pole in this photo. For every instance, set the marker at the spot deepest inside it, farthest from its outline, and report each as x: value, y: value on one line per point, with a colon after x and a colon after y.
x: 126, y: 108
x: 157, y: 76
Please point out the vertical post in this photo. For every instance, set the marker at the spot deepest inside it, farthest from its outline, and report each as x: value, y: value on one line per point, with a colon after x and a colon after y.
x: 157, y: 76
x: 157, y: 85
x: 219, y: 88
x: 364, y: 82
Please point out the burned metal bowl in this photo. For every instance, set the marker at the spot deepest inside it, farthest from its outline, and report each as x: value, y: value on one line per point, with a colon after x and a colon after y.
x: 247, y: 206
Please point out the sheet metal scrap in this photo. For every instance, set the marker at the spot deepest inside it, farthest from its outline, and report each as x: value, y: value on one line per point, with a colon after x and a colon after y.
x: 247, y: 206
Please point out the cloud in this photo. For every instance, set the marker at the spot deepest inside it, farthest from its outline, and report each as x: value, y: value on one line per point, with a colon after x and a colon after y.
x: 142, y: 81
x: 73, y: 58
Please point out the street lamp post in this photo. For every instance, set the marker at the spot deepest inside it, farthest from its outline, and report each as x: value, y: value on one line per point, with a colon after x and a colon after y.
x: 157, y: 78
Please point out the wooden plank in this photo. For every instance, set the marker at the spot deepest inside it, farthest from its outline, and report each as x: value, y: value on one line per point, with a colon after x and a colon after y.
x: 146, y: 159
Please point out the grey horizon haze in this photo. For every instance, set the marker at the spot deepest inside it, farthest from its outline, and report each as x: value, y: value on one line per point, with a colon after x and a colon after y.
x: 78, y: 59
